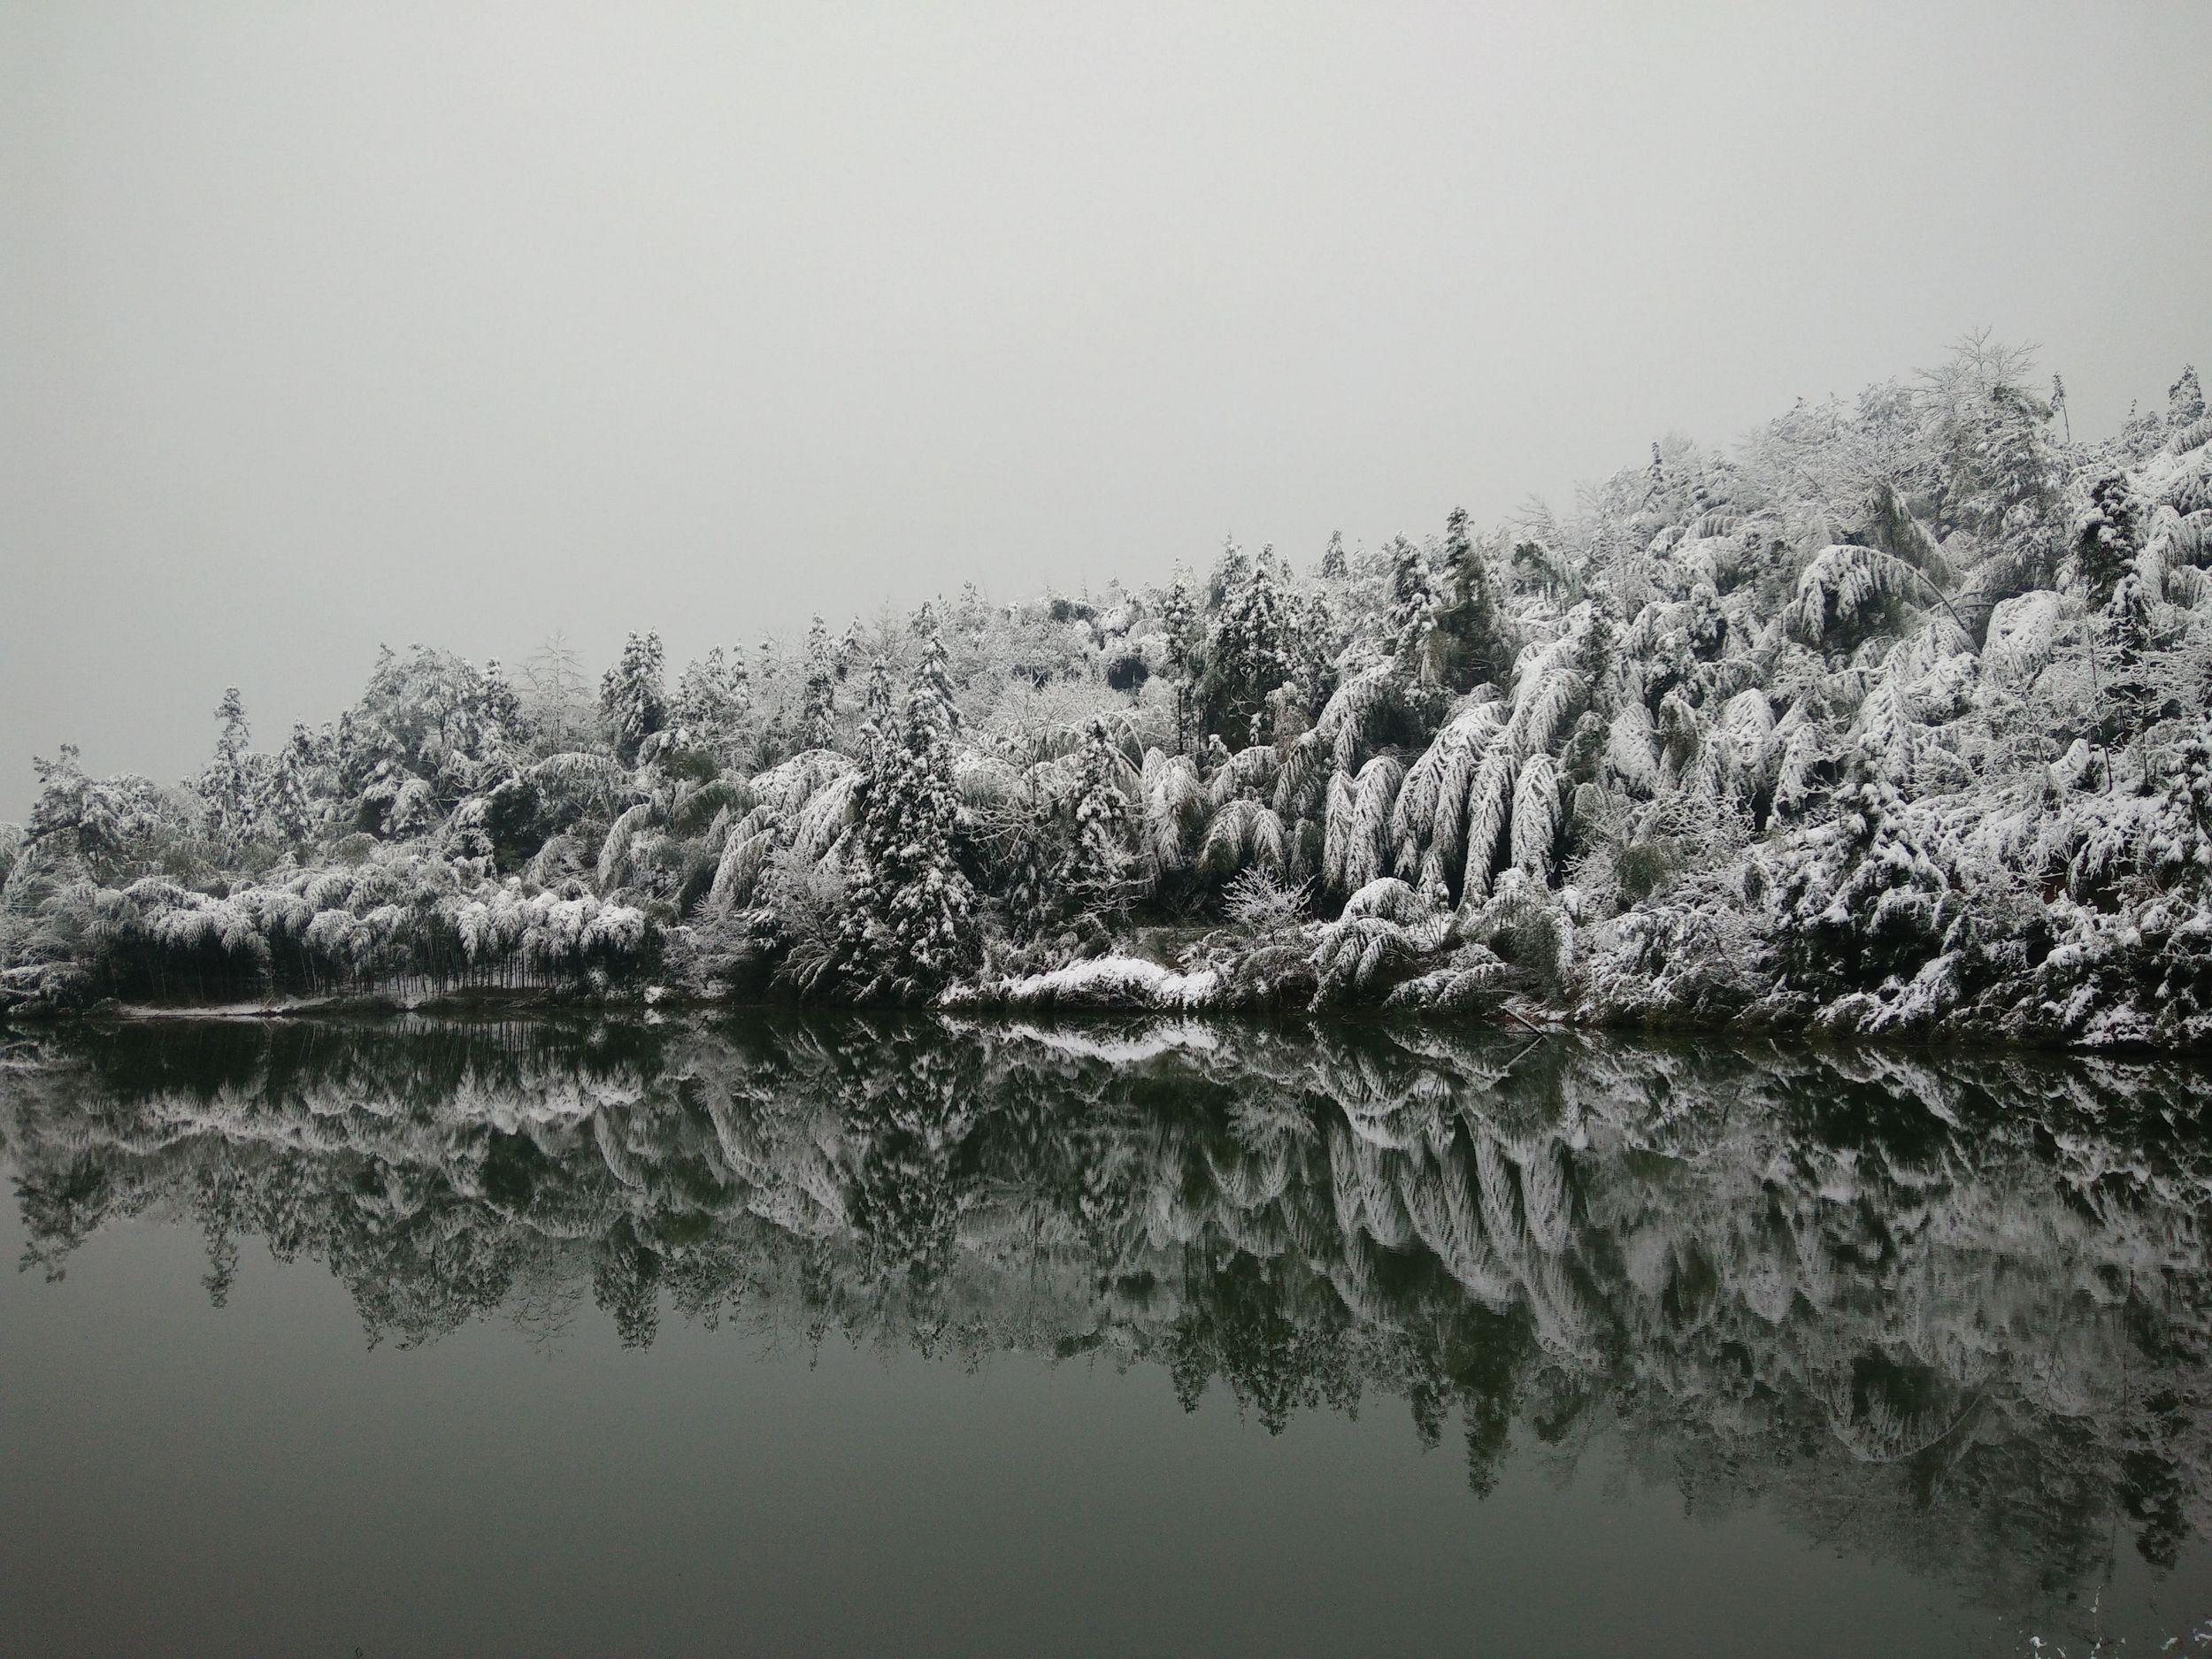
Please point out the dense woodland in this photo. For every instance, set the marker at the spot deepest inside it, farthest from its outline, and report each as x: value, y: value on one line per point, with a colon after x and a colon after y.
x: 1895, y: 718
x: 1949, y: 1312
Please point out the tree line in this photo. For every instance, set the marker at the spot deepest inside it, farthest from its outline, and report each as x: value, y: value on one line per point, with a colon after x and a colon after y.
x: 1891, y: 719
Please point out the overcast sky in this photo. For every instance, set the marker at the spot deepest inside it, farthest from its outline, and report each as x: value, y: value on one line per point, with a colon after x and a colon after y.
x: 324, y: 324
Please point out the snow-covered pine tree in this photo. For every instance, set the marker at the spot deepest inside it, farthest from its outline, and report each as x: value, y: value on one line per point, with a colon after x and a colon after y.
x: 1185, y: 633
x: 300, y: 787
x: 934, y: 673
x: 848, y: 651
x: 912, y: 923
x: 818, y: 708
x: 1596, y: 656
x: 1414, y: 640
x: 876, y: 708
x: 1185, y: 629
x: 633, y: 703
x: 1334, y: 567
x: 2127, y: 630
x: 1250, y: 650
x: 1230, y: 570
x: 2109, y: 537
x: 228, y: 785
x: 1476, y: 642
x: 1034, y: 895
x: 506, y: 732
x: 2184, y: 399
x: 1101, y: 860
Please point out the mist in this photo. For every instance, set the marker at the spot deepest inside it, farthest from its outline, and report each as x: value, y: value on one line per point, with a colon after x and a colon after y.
x: 323, y: 327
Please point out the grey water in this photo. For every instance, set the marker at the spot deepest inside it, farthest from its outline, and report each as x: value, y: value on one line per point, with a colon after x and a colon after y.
x: 786, y: 1335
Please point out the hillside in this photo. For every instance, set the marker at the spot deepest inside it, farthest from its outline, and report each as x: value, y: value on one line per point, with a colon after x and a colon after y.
x: 1895, y: 718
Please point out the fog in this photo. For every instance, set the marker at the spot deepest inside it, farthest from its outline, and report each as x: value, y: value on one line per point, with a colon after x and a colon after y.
x: 323, y: 325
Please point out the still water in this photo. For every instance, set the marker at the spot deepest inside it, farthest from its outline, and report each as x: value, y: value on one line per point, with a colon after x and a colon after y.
x: 798, y: 1336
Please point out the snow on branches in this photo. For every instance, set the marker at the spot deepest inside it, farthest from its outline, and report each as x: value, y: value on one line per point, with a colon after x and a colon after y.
x: 1895, y: 717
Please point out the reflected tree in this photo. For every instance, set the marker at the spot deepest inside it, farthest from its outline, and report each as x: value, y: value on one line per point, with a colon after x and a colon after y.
x: 1950, y: 1311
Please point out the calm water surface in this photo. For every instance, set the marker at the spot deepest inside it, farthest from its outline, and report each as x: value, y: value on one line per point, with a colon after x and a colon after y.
x: 788, y: 1336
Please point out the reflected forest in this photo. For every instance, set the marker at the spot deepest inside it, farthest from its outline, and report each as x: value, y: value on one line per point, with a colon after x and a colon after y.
x: 1948, y: 1313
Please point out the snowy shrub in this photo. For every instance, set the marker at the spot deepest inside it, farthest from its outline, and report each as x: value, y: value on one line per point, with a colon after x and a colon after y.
x: 1262, y: 902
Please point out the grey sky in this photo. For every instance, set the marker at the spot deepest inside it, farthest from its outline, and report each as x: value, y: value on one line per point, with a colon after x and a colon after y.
x: 326, y: 324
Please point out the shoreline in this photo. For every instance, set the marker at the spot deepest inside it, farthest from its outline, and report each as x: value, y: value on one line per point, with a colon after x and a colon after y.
x: 655, y: 1004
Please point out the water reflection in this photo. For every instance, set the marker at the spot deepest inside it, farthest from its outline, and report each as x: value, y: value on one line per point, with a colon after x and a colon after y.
x: 1948, y: 1310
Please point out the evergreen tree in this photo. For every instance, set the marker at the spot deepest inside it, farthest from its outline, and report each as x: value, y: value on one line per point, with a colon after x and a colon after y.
x: 877, y: 708
x: 912, y: 922
x: 1035, y: 896
x: 2185, y: 400
x: 1414, y: 640
x: 1248, y: 654
x: 1594, y: 657
x: 1185, y: 630
x: 227, y: 785
x: 633, y: 703
x: 2128, y: 631
x: 1099, y: 862
x: 300, y: 787
x: 2109, y: 536
x: 1475, y: 643
x: 505, y: 732
x: 934, y: 673
x: 1231, y: 572
x: 878, y: 723
x: 818, y: 709
x: 1334, y: 567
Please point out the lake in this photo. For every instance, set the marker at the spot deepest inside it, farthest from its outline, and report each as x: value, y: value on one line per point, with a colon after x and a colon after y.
x: 780, y: 1335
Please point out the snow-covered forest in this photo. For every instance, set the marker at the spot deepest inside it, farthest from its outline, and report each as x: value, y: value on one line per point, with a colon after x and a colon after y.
x: 1895, y: 717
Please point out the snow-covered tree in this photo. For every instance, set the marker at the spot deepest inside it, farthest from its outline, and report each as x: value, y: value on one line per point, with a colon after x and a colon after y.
x: 1475, y: 642
x: 231, y: 784
x: 2185, y: 400
x: 113, y: 825
x: 632, y: 697
x: 714, y: 704
x: 912, y: 922
x: 1104, y: 852
x: 1414, y: 637
x: 1335, y: 565
x: 1911, y: 654
x: 818, y: 712
x: 302, y: 784
x: 1251, y: 648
